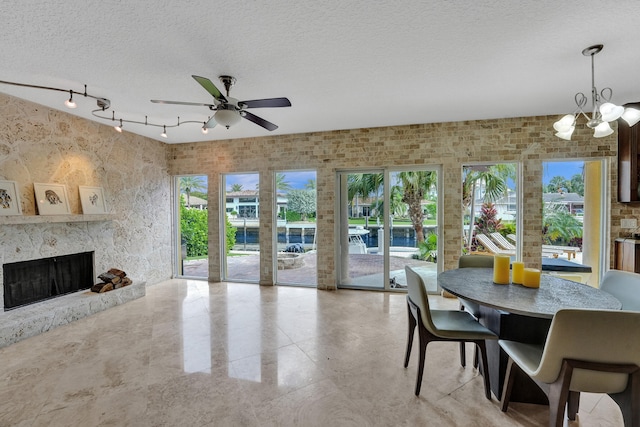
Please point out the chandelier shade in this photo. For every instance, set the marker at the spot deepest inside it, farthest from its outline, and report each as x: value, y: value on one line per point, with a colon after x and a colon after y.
x: 603, y: 113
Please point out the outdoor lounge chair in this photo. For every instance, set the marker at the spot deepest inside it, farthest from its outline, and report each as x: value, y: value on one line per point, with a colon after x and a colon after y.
x: 502, y: 241
x: 488, y: 244
x: 552, y: 250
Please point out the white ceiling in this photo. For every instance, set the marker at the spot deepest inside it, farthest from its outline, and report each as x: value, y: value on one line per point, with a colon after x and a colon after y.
x: 343, y: 64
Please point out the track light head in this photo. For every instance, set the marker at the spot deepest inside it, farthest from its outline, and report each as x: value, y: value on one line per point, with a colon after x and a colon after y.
x: 70, y: 103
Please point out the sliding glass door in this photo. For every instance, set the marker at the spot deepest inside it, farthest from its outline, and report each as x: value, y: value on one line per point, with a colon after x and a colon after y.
x: 388, y: 219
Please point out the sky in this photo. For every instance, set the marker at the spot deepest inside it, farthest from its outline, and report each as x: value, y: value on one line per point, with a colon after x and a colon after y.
x: 298, y: 179
x: 564, y: 169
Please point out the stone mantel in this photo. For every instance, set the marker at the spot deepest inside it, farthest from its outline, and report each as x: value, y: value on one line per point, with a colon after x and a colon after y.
x: 51, y: 219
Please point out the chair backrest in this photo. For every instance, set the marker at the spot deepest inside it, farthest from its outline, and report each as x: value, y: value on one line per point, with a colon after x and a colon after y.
x: 604, y: 336
x: 623, y: 285
x: 475, y: 261
x: 417, y: 292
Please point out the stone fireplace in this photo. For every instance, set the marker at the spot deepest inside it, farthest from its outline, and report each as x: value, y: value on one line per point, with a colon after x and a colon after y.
x: 27, y: 282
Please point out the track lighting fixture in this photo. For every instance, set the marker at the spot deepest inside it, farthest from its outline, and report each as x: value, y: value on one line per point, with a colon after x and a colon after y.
x: 69, y: 102
x: 104, y: 104
x: 603, y: 113
x: 204, y: 128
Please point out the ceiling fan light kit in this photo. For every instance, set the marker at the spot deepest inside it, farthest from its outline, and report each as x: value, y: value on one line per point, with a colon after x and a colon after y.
x: 602, y: 113
x: 229, y: 111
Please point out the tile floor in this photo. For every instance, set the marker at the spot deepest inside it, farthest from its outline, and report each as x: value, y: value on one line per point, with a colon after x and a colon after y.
x: 191, y: 353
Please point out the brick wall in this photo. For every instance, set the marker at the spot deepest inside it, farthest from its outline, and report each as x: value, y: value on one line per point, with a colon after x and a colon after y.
x: 528, y: 140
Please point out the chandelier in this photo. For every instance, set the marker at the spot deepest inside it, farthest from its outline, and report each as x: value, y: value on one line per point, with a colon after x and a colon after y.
x: 602, y: 113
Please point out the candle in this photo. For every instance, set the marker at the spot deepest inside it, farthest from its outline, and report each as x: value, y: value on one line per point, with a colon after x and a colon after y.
x: 531, y: 278
x: 517, y: 268
x: 501, y: 269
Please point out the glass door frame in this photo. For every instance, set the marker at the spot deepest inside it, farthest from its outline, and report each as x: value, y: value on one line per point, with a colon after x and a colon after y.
x: 342, y: 220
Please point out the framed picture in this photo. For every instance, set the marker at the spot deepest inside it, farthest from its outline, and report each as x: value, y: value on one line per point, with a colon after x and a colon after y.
x: 92, y: 200
x: 9, y: 198
x: 51, y: 199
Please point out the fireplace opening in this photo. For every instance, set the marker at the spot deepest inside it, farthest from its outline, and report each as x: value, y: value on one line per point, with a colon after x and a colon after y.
x: 27, y: 282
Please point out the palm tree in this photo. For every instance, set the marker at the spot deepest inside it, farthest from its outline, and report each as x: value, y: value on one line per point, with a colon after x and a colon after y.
x: 576, y: 184
x: 310, y: 185
x: 557, y: 183
x: 559, y: 226
x: 494, y: 179
x: 281, y: 184
x: 189, y: 184
x: 235, y: 188
x: 363, y: 184
x: 415, y: 185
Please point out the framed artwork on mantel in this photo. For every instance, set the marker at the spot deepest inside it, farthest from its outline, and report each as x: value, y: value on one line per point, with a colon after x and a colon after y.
x: 92, y: 200
x: 9, y: 198
x: 51, y: 199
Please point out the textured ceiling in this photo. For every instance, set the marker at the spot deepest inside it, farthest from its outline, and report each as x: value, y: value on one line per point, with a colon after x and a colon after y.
x: 343, y: 64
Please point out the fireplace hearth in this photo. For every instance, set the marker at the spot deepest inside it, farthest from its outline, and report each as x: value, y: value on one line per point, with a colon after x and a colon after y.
x: 27, y: 282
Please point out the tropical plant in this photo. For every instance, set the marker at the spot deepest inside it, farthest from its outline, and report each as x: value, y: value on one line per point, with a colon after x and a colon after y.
x: 415, y: 185
x: 559, y: 227
x: 310, y: 185
x: 488, y: 221
x: 365, y: 185
x: 577, y: 184
x: 235, y: 188
x: 230, y: 234
x: 428, y: 248
x: 189, y: 184
x: 194, y: 230
x: 493, y: 178
x: 557, y: 184
x: 282, y: 185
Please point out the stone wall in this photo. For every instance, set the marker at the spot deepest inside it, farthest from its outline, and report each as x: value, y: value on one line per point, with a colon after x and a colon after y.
x: 529, y: 141
x: 41, y: 145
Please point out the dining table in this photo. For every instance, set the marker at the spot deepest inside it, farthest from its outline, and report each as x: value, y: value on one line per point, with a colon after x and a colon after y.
x: 518, y: 313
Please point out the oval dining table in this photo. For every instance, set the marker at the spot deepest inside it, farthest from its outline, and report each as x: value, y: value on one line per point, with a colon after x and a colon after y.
x: 518, y: 313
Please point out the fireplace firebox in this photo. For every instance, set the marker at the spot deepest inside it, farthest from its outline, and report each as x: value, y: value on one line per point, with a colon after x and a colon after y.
x: 27, y: 282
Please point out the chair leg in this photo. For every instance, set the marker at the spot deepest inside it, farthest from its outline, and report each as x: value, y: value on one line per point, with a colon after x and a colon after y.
x: 573, y: 404
x: 481, y: 345
x: 412, y: 328
x: 628, y: 401
x: 559, y: 395
x: 463, y: 355
x: 475, y: 357
x: 509, y: 378
x: 422, y: 342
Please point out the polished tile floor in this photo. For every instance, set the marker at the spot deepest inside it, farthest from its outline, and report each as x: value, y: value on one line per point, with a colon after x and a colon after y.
x: 192, y: 353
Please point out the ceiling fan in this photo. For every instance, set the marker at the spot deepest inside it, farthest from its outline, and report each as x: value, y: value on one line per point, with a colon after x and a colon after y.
x: 228, y: 110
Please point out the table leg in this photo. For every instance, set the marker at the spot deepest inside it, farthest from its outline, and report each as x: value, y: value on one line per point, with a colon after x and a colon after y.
x: 517, y: 328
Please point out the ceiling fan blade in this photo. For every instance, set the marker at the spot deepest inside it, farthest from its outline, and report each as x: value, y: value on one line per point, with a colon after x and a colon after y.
x: 267, y: 103
x: 198, y: 104
x: 259, y: 121
x: 210, y: 87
